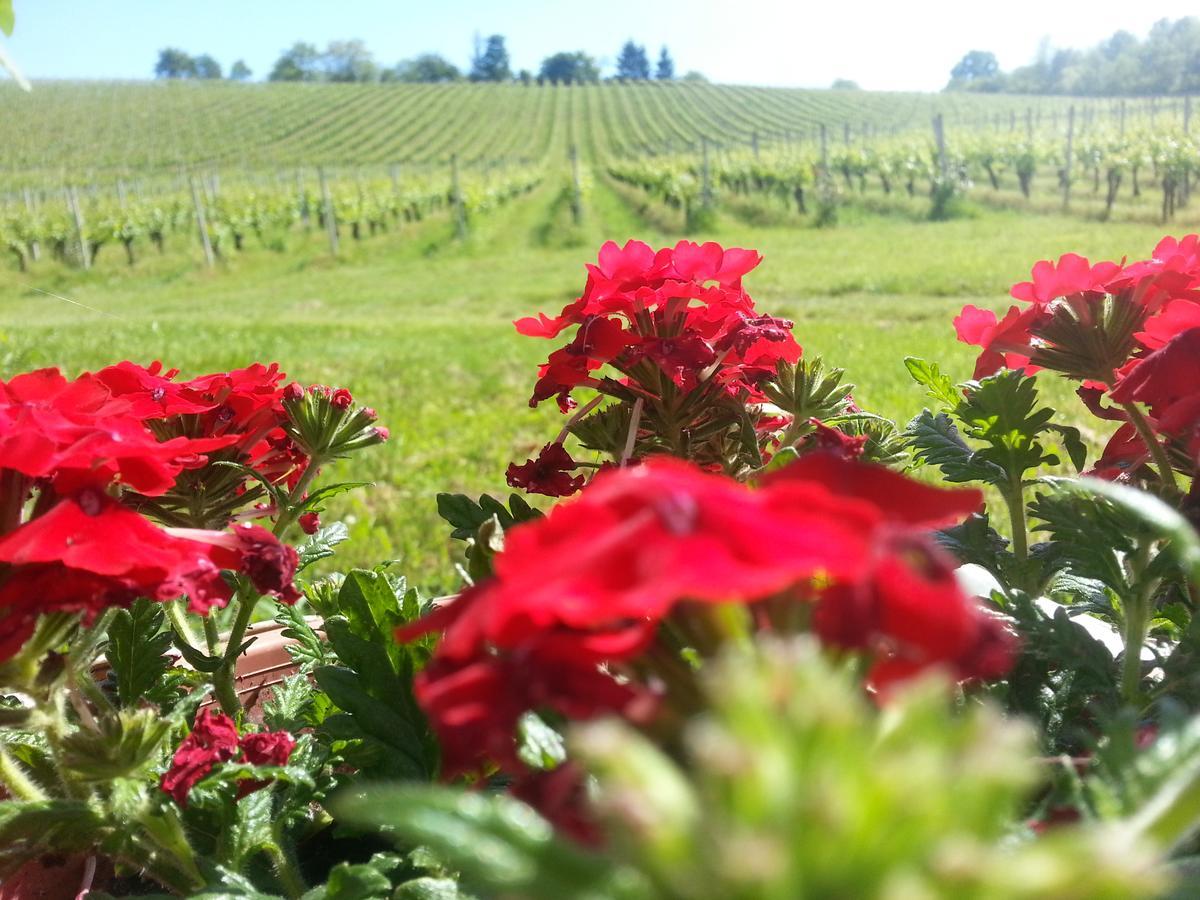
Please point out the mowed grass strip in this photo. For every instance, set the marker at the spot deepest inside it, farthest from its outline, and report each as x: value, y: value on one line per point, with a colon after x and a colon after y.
x: 419, y: 326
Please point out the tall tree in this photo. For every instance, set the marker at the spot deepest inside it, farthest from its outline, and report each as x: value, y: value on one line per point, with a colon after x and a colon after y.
x: 427, y: 68
x: 493, y: 65
x: 301, y: 62
x: 632, y: 64
x: 206, y: 67
x: 569, y: 68
x: 349, y: 61
x: 174, y: 63
x: 239, y: 71
x: 666, y: 66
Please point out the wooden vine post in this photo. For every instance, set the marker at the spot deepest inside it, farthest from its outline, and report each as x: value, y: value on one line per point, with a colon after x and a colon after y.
x: 35, y: 247
x: 705, y: 175
x: 327, y: 213
x: 576, y: 187
x: 460, y: 214
x: 202, y: 224
x: 1067, y: 160
x: 85, y: 251
x: 939, y: 136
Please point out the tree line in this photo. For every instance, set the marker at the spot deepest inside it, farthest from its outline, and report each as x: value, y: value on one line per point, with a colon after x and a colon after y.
x: 1167, y: 61
x: 351, y: 61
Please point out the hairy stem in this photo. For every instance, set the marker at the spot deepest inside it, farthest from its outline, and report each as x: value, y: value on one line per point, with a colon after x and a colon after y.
x: 1166, y: 474
x: 15, y: 779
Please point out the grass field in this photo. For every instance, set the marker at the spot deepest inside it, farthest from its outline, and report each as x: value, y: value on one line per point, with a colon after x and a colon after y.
x: 418, y: 325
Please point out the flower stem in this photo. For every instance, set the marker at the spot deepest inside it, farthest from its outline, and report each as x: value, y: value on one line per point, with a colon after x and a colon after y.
x: 1166, y: 474
x: 1137, y: 617
x: 224, y: 677
x: 13, y: 777
x: 286, y: 868
x: 246, y: 599
x: 1014, y: 497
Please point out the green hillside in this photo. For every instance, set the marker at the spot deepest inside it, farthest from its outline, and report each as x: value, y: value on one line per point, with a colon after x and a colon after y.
x: 77, y: 129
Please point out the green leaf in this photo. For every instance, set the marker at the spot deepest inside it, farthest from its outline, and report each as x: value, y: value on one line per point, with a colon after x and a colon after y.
x: 1182, y: 541
x: 7, y: 17
x: 807, y: 390
x: 137, y: 648
x: 975, y: 541
x: 289, y: 704
x: 939, y: 386
x: 1002, y: 410
x: 429, y: 889
x: 495, y: 841
x: 319, y: 496
x: 539, y: 745
x: 396, y: 729
x: 1072, y: 443
x: 122, y: 745
x: 320, y: 545
x: 885, y: 445
x: 308, y: 649
x: 467, y: 515
x: 935, y: 441
x: 356, y: 882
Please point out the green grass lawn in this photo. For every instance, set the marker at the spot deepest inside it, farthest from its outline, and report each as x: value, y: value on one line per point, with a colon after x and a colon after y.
x: 419, y: 326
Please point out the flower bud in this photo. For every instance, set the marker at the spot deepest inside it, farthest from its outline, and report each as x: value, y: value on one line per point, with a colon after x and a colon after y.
x: 309, y: 522
x: 341, y: 398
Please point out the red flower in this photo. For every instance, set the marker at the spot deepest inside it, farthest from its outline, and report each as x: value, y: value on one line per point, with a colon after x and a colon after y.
x: 310, y: 522
x: 547, y: 474
x: 583, y: 590
x: 214, y: 739
x: 560, y: 796
x: 268, y: 748
x: 1005, y: 343
x: 682, y: 308
x: 341, y: 399
x: 77, y: 434
x: 251, y: 549
x: 832, y: 440
x: 1072, y: 275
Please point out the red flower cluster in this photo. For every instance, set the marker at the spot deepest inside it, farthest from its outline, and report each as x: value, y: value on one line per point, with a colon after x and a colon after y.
x: 680, y: 309
x: 213, y: 740
x: 243, y: 409
x: 1129, y: 329
x: 675, y: 325
x: 67, y: 543
x: 570, y: 623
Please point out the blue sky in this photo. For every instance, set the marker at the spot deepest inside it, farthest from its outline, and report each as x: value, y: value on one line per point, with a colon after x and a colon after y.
x: 882, y: 44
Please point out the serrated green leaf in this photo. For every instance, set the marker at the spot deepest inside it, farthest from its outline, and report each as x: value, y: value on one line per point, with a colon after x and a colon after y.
x: 122, y: 745
x: 319, y: 496
x: 935, y: 441
x: 938, y: 385
x: 975, y: 541
x: 356, y: 882
x: 289, y: 704
x: 1002, y: 411
x: 137, y: 648
x: 399, y: 729
x: 308, y: 649
x: 320, y: 545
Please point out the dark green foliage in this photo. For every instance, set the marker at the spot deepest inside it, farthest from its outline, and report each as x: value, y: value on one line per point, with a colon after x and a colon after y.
x: 492, y: 64
x: 632, y: 64
x: 137, y: 647
x: 372, y: 685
